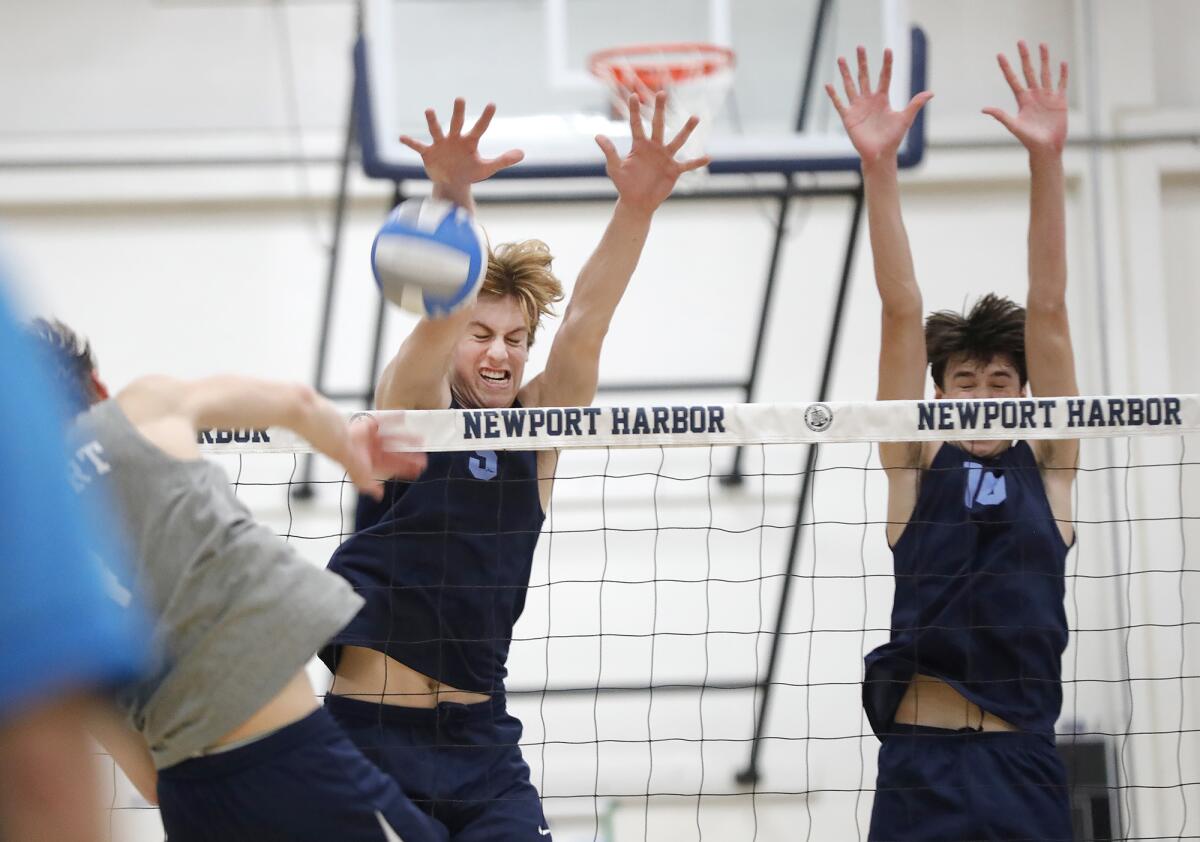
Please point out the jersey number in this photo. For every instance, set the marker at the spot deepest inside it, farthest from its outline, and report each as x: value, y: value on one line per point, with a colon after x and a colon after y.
x: 983, y: 488
x: 482, y: 464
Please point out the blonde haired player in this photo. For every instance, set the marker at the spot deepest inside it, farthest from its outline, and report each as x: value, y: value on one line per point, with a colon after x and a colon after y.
x: 444, y: 563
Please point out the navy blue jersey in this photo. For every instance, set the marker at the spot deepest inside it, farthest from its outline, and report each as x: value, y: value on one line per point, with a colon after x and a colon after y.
x: 443, y: 563
x: 979, y: 592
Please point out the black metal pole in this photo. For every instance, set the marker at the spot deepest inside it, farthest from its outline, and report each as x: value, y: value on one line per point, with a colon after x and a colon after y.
x: 380, y: 319
x: 750, y: 773
x: 734, y: 477
x: 376, y: 344
x: 304, y: 489
x: 810, y: 68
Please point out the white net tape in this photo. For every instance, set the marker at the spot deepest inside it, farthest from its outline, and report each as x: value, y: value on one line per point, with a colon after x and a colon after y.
x: 561, y: 428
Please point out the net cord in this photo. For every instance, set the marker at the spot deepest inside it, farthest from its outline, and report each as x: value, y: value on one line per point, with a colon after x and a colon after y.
x: 566, y: 428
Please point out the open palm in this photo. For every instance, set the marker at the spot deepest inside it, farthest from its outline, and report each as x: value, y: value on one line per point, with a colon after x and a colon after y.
x: 874, y: 128
x: 453, y: 156
x: 1041, y: 121
x: 646, y: 176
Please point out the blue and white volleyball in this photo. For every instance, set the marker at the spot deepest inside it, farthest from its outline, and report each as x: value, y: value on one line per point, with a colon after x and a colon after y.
x: 430, y: 257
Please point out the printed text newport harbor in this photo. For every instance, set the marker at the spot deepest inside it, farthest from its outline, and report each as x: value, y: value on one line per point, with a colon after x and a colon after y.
x: 1033, y: 413
x: 626, y: 421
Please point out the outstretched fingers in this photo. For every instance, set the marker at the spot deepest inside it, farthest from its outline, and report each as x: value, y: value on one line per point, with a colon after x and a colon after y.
x: 916, y: 104
x: 457, y: 116
x: 435, y: 128
x: 658, y: 121
x: 847, y: 82
x: 1044, y: 55
x: 837, y: 100
x: 388, y: 461
x: 1010, y: 75
x: 864, y: 74
x: 695, y: 163
x: 681, y: 137
x: 1004, y: 118
x: 611, y: 158
x: 500, y: 162
x: 1027, y: 64
x: 356, y: 459
x: 414, y: 145
x: 636, y: 129
x: 485, y: 120
x: 885, y: 75
x: 1062, y: 77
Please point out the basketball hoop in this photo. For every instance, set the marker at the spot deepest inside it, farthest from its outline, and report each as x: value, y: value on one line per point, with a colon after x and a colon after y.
x: 696, y: 78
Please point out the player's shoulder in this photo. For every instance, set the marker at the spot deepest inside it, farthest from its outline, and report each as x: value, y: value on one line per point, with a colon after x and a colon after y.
x: 153, y: 406
x: 150, y: 397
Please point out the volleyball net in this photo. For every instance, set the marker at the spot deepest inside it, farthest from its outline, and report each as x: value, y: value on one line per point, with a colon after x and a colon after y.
x: 690, y: 657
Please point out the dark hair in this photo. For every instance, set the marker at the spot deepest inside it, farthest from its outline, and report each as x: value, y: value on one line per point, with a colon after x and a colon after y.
x: 995, y: 327
x: 68, y: 359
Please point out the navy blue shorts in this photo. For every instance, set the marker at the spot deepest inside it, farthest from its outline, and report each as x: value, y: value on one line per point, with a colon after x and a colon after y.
x: 936, y: 784
x: 460, y: 763
x: 304, y: 782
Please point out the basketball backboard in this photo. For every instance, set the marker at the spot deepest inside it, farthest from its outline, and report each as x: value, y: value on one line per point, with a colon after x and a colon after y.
x: 530, y: 58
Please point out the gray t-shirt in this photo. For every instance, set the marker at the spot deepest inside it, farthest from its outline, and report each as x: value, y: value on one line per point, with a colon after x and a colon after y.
x: 237, y: 611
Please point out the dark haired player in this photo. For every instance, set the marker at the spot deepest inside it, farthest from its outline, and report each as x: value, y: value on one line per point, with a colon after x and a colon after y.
x: 225, y: 733
x: 444, y: 566
x: 965, y: 694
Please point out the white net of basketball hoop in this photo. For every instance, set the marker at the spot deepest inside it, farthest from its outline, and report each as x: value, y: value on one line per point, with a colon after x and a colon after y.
x: 696, y: 78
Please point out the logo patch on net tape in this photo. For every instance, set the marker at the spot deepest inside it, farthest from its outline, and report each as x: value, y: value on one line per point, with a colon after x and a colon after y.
x: 818, y: 417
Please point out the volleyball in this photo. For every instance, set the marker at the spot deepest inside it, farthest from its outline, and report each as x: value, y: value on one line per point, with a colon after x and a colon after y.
x: 429, y: 257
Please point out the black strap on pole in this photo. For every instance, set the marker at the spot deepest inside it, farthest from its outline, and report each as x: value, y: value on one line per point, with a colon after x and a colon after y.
x: 734, y: 477
x: 380, y: 320
x: 750, y: 774
x: 304, y: 489
x: 810, y: 67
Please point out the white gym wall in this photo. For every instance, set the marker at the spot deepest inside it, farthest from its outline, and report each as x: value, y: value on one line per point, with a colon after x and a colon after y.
x: 216, y: 264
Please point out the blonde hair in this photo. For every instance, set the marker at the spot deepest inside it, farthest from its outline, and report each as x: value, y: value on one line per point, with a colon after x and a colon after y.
x: 522, y: 271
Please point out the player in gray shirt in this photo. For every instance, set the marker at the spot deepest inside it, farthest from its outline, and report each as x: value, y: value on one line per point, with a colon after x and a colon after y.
x: 226, y: 733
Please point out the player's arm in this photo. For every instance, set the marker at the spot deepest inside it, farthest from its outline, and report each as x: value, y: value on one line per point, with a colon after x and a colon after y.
x: 877, y: 132
x: 415, y: 378
x: 644, y: 179
x: 128, y: 748
x: 169, y: 412
x: 1041, y: 126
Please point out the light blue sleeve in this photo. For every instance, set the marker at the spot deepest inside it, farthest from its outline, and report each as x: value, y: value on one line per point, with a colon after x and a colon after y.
x: 65, y: 623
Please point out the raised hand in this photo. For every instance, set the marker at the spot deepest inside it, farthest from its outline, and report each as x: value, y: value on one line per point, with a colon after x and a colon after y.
x: 874, y: 128
x: 452, y: 158
x: 368, y: 459
x: 646, y: 176
x: 1041, y: 121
